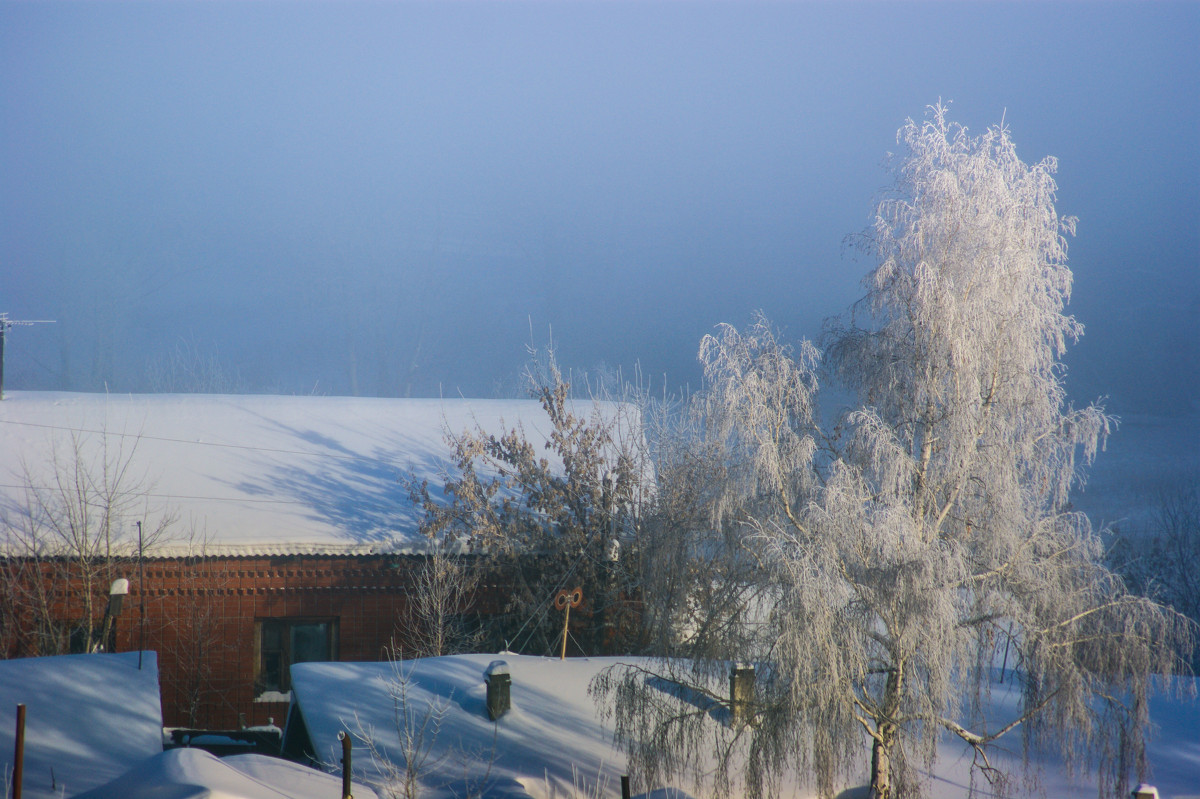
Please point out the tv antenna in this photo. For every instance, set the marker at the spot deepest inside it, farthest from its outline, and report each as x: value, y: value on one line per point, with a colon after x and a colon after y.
x: 5, y: 324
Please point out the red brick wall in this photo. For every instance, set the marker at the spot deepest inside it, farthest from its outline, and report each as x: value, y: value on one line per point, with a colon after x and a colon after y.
x: 199, y: 616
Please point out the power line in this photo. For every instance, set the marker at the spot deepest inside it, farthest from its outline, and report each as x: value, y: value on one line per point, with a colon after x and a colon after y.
x: 179, y: 496
x: 306, y: 453
x: 140, y: 436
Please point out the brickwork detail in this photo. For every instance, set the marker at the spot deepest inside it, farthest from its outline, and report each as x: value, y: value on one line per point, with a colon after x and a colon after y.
x: 200, y: 614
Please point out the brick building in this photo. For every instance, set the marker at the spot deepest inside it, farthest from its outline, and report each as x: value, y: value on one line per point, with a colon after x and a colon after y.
x: 274, y: 530
x: 227, y: 629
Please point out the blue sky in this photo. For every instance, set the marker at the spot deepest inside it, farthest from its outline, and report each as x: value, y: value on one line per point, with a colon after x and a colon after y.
x: 388, y: 197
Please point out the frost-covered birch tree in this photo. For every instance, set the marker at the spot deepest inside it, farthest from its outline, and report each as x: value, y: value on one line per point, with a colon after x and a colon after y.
x: 899, y: 553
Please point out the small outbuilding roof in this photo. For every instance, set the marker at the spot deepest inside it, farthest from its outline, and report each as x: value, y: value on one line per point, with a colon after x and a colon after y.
x: 550, y: 741
x: 88, y: 719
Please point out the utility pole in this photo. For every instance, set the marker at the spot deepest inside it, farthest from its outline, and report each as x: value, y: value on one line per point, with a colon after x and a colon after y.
x: 5, y: 324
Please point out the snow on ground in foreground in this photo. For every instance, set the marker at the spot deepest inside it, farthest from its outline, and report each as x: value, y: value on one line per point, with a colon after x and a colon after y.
x: 88, y: 719
x: 553, y: 744
x: 1173, y: 751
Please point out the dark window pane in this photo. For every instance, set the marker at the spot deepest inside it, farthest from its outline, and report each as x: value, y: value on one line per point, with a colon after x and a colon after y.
x: 271, y: 671
x: 271, y: 638
x: 283, y: 642
x: 79, y: 639
x: 310, y: 641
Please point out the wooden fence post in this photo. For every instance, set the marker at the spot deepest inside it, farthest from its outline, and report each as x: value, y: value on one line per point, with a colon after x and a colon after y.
x: 19, y: 754
x: 345, y: 739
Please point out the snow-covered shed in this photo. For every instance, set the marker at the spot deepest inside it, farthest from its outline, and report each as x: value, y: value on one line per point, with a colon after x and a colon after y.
x: 550, y: 742
x: 88, y: 719
x: 289, y: 534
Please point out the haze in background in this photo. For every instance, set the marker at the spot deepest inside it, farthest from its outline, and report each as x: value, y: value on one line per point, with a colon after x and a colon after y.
x: 396, y: 198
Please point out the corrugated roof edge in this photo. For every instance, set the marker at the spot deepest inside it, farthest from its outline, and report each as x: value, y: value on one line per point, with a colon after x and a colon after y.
x: 286, y: 549
x: 169, y: 551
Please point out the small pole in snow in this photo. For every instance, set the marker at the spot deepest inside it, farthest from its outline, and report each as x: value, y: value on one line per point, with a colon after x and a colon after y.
x: 624, y: 786
x: 19, y: 753
x: 141, y: 599
x: 345, y: 739
x: 564, y: 601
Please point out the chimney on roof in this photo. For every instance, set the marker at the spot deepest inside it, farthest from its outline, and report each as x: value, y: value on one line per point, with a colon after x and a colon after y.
x: 499, y: 689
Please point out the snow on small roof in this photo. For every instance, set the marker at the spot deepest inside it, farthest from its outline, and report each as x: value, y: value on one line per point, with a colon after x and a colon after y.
x: 196, y: 774
x: 254, y: 474
x: 300, y: 782
x: 550, y: 741
x: 88, y: 719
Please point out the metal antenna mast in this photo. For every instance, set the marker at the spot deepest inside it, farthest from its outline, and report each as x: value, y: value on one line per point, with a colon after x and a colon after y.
x: 5, y: 324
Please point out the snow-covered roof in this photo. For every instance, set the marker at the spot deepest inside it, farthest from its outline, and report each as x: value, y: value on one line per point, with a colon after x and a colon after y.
x: 254, y: 474
x: 196, y: 774
x: 550, y: 742
x: 555, y: 742
x: 88, y: 719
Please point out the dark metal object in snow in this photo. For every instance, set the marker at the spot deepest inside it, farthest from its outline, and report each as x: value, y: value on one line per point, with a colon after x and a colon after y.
x: 741, y: 694
x: 261, y: 740
x: 499, y: 689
